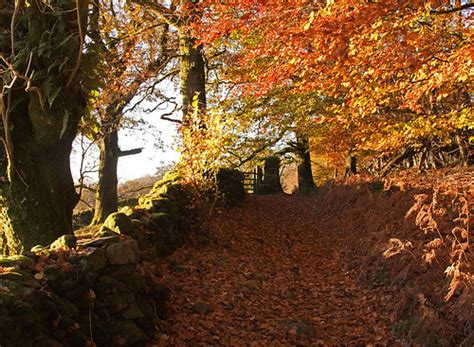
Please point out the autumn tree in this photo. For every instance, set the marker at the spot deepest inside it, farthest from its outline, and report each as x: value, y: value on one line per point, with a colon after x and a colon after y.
x: 398, y: 70
x: 135, y: 50
x: 179, y: 14
x: 46, y: 69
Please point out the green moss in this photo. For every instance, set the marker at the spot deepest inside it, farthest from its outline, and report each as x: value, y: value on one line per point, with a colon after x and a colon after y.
x: 64, y: 242
x: 119, y: 223
x: 169, y: 178
x: 15, y: 260
x: 163, y: 221
x: 16, y: 279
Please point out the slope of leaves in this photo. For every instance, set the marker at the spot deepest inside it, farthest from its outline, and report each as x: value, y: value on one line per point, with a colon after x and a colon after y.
x: 271, y: 273
x: 340, y: 267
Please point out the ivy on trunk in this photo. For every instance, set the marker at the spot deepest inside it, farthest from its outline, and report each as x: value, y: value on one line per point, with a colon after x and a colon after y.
x: 43, y: 98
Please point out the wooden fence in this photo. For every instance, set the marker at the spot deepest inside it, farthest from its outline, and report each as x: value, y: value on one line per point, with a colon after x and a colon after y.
x: 250, y: 181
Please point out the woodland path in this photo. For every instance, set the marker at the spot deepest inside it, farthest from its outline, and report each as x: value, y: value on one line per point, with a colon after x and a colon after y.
x: 274, y: 273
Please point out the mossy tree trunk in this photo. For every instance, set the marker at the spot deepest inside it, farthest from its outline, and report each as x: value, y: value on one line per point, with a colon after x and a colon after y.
x: 193, y: 88
x: 192, y: 74
x: 38, y: 194
x: 39, y: 121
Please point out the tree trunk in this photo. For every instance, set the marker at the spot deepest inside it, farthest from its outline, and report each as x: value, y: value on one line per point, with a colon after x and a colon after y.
x: 406, y: 154
x: 39, y: 118
x: 351, y: 166
x: 107, y: 199
x: 305, y: 173
x: 37, y: 192
x: 463, y: 154
x: 192, y: 74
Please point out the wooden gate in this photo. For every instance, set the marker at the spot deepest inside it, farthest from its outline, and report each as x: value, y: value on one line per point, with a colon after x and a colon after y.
x: 250, y: 181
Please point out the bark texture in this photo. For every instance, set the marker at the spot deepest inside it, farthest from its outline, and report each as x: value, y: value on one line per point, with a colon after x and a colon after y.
x: 107, y: 198
x: 40, y: 116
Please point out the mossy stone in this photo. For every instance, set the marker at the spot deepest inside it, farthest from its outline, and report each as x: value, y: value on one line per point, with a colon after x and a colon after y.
x: 15, y: 260
x: 130, y: 212
x: 125, y: 252
x: 129, y: 333
x: 64, y: 242
x: 37, y: 249
x: 76, y: 338
x: 119, y: 223
x: 162, y: 221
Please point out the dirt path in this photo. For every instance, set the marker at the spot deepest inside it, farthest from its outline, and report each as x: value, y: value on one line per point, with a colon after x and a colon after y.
x: 274, y: 273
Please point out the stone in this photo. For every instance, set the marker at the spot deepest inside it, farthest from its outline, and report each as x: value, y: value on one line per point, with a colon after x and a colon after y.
x: 231, y: 187
x: 146, y: 308
x: 302, y: 328
x: 162, y: 221
x: 78, y: 296
x: 37, y: 249
x: 95, y: 259
x: 119, y: 223
x: 271, y: 180
x: 48, y: 342
x: 125, y: 252
x: 376, y: 186
x: 76, y: 339
x: 100, y: 241
x: 132, y: 311
x: 161, y: 293
x: 65, y: 241
x: 118, y: 271
x: 112, y: 294
x: 162, y: 205
x: 90, y: 260
x: 202, y: 308
x: 130, y: 212
x: 127, y: 333
x: 87, y: 231
x: 82, y: 218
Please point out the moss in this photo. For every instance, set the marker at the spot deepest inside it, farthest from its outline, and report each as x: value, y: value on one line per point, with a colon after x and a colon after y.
x: 15, y: 260
x: 16, y: 279
x: 119, y: 223
x: 64, y: 242
x: 87, y: 232
x: 37, y: 249
x: 163, y: 222
x: 169, y: 178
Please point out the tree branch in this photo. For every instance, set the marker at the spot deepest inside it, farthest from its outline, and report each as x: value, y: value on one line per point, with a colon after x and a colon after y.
x: 452, y: 10
x: 161, y: 11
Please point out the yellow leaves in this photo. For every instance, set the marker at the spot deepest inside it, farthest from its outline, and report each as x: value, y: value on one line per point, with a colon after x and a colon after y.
x: 309, y: 22
x: 39, y: 276
x: 328, y: 9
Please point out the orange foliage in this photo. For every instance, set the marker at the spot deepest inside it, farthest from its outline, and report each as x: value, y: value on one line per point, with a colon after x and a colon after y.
x: 399, y: 69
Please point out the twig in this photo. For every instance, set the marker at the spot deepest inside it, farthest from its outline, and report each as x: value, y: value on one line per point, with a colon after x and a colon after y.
x: 81, y: 44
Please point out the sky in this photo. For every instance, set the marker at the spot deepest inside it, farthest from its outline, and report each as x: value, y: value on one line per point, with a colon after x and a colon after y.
x: 158, y: 149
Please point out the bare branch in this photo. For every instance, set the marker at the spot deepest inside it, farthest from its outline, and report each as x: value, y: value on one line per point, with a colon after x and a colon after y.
x: 452, y: 10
